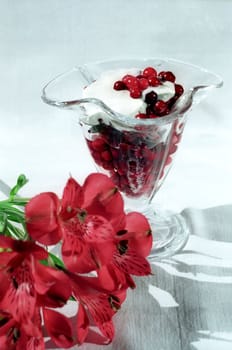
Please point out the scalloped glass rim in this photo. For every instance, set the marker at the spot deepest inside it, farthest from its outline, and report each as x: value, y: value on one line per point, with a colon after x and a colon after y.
x: 85, y: 70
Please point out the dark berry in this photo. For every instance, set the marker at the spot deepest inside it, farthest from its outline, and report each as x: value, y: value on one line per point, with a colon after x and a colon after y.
x: 167, y: 76
x: 172, y: 101
x: 119, y: 85
x: 153, y: 81
x: 151, y: 97
x: 179, y: 90
x: 149, y: 110
x: 149, y: 71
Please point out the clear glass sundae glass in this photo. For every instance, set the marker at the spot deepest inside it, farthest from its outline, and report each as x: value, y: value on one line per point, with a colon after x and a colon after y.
x: 136, y: 153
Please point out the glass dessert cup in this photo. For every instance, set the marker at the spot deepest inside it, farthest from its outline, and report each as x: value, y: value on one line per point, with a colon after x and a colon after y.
x: 137, y: 154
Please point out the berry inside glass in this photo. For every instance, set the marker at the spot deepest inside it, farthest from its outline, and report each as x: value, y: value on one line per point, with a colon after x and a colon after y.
x: 138, y: 158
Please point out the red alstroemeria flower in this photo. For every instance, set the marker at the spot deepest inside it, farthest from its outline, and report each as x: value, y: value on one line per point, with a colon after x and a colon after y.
x: 134, y: 244
x: 85, y: 219
x: 26, y: 288
x: 14, y: 337
x: 97, y: 306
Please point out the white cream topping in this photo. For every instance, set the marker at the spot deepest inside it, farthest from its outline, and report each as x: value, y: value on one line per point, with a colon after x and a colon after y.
x: 121, y: 101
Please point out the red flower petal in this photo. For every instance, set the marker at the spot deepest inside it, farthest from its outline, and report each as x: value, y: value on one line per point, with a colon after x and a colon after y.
x: 112, y: 278
x: 97, y: 185
x: 101, y: 197
x: 4, y: 285
x: 59, y: 328
x: 71, y: 199
x: 76, y: 255
x: 140, y: 237
x: 132, y: 263
x: 82, y: 324
x: 52, y: 286
x: 107, y: 329
x: 97, y: 229
x: 20, y: 248
x: 6, y: 342
x: 88, y: 246
x: 42, y: 218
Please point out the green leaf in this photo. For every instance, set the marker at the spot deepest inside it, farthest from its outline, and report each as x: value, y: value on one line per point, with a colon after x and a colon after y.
x: 53, y: 261
x: 56, y: 261
x: 12, y: 213
x: 21, y: 181
x: 3, y: 221
x: 16, y: 232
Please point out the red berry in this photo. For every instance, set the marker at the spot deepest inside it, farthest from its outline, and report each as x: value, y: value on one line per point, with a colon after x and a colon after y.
x: 167, y: 76
x: 153, y: 81
x: 98, y: 144
x: 149, y: 71
x: 143, y: 83
x: 141, y: 116
x: 135, y: 93
x: 130, y: 81
x: 106, y: 155
x: 179, y: 90
x: 119, y: 85
x: 160, y: 107
x: 139, y: 76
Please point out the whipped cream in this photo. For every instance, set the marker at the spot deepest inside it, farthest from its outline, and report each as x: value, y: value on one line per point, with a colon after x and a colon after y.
x: 121, y: 101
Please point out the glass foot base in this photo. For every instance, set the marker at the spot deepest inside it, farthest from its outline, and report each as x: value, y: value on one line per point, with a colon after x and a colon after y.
x: 170, y: 232
x: 170, y: 235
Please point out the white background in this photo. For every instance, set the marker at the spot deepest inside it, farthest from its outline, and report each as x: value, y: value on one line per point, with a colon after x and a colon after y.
x: 40, y: 39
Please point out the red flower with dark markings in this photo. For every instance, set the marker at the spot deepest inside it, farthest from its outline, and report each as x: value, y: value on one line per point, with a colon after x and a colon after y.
x: 85, y: 219
x: 97, y: 237
x: 27, y: 288
x: 97, y: 306
x: 134, y: 243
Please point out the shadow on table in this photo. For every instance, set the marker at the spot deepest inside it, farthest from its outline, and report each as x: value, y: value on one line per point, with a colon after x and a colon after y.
x: 186, y: 303
x: 199, y: 279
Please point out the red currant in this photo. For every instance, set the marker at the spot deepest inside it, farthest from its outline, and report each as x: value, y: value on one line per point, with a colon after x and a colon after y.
x: 135, y: 93
x: 143, y: 83
x: 167, y: 76
x: 148, y: 71
x: 98, y: 144
x: 141, y: 116
x: 179, y: 90
x: 130, y: 81
x: 160, y: 107
x: 119, y: 85
x: 153, y: 81
x: 106, y: 155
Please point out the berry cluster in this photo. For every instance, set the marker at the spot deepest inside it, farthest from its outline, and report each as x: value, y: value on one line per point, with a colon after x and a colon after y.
x: 134, y: 162
x: 147, y: 79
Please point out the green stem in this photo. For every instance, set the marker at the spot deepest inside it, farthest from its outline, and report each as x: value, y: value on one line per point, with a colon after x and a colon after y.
x: 17, y: 232
x: 16, y: 201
